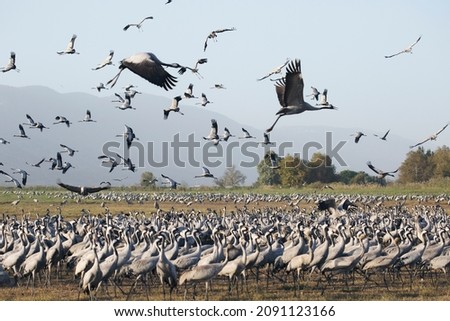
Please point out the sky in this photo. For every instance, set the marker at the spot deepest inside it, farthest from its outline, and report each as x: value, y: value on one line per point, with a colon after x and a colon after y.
x: 341, y: 45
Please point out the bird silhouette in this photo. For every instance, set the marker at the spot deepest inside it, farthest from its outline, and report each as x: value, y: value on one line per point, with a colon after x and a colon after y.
x: 149, y: 67
x: 83, y: 190
x: 406, y: 50
x: 290, y: 94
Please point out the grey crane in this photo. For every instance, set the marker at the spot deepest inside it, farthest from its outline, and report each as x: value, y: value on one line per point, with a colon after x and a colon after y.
x: 381, y: 174
x: 203, y: 273
x: 315, y: 94
x: 334, y: 209
x: 125, y: 101
x: 109, y: 161
x: 358, y: 136
x: 62, y: 120
x: 4, y: 141
x: 290, y: 94
x: 276, y: 70
x: 38, y: 164
x: 91, y: 278
x: 194, y: 70
x: 266, y: 140
x: 132, y: 92
x: 189, y: 92
x: 106, y: 62
x: 56, y: 162
x: 323, y: 101
x: 34, y: 124
x: 34, y: 263
x: 186, y: 261
x: 226, y: 134
x: 83, y: 190
x: 24, y: 174
x: 234, y: 270
x: 70, y: 49
x: 137, y: 25
x: 173, y: 184
x: 68, y: 150
x: 204, y: 101
x: 127, y: 163
x: 432, y: 137
x: 213, y: 133
x: 87, y: 118
x: 206, y: 173
x: 384, y: 136
x: 11, y: 65
x: 166, y: 270
x: 22, y: 133
x: 406, y: 50
x: 12, y: 260
x: 274, y: 159
x: 218, y: 86
x: 173, y: 107
x: 246, y: 134
x: 100, y: 87
x: 128, y: 135
x: 149, y: 67
x: 213, y: 35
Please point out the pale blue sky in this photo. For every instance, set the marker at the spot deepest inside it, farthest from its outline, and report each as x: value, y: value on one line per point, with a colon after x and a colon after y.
x: 341, y: 45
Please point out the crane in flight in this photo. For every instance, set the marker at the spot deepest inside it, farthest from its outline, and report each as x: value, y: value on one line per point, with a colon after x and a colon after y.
x: 173, y: 107
x: 213, y: 35
x: 290, y: 94
x: 107, y: 61
x: 70, y: 49
x: 173, y: 184
x: 213, y: 133
x: 406, y: 50
x: 381, y: 174
x: 432, y: 137
x: 195, y: 69
x: 384, y: 136
x: 274, y: 71
x: 137, y: 25
x: 83, y: 190
x: 11, y: 65
x: 149, y: 67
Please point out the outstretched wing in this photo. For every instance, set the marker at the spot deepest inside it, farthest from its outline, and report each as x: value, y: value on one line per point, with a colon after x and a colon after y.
x: 418, y: 39
x: 440, y: 131
x: 396, y: 54
x: 418, y: 144
x: 373, y: 168
x: 71, y: 188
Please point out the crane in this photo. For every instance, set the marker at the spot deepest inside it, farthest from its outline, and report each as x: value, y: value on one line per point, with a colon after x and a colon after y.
x: 290, y: 94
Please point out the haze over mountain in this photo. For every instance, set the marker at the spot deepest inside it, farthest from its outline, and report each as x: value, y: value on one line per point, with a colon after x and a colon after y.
x: 155, y: 150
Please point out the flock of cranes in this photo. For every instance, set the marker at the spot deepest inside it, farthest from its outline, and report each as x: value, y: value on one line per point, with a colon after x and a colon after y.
x: 319, y: 239
x: 184, y: 248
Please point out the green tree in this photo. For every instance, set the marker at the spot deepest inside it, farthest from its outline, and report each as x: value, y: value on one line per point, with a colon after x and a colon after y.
x: 148, y: 179
x: 417, y: 167
x: 346, y: 176
x: 362, y: 178
x: 320, y: 169
x: 232, y: 177
x: 268, y: 174
x: 292, y: 171
x: 441, y: 162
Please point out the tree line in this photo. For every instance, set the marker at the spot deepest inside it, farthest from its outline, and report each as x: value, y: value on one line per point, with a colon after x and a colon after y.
x: 419, y: 166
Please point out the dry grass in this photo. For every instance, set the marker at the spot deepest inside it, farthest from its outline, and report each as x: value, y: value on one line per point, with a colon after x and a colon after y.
x: 278, y: 288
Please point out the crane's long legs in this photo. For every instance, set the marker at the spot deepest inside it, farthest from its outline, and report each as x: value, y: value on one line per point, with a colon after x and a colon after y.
x: 273, y: 125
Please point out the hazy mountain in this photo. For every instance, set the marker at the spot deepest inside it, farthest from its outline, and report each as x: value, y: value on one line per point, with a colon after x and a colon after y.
x: 155, y: 150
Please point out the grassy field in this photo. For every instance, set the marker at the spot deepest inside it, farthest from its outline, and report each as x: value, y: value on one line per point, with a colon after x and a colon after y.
x: 38, y: 201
